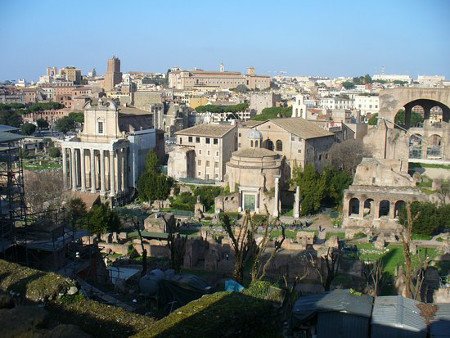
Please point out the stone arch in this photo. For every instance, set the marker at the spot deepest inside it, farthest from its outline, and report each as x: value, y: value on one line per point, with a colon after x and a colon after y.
x: 384, y: 208
x: 268, y: 144
x: 353, y: 206
x: 368, y: 205
x: 399, y: 205
x: 423, y: 108
x: 279, y: 145
x: 394, y: 99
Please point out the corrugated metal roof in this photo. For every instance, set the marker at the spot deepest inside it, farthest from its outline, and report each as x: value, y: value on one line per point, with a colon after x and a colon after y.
x: 440, y: 327
x: 9, y: 137
x: 4, y: 127
x: 397, y: 311
x: 337, y: 300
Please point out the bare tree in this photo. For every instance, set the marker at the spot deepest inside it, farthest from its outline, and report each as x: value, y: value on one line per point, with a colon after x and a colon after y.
x: 348, y: 154
x: 373, y: 273
x: 177, y: 246
x: 43, y: 189
x: 443, y: 190
x: 413, y: 279
x: 332, y: 261
x: 243, y: 242
x: 259, y: 271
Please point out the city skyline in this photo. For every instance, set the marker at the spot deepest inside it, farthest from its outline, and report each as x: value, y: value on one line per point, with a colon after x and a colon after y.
x: 305, y: 38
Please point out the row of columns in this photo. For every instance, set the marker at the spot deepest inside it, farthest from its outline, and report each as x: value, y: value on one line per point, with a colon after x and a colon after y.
x: 94, y: 174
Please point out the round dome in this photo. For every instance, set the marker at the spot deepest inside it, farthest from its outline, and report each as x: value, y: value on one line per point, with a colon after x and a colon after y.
x: 254, y: 135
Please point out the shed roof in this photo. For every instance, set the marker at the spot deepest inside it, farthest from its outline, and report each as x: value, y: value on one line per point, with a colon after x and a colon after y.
x: 9, y: 137
x: 440, y: 326
x: 398, y: 312
x: 4, y: 127
x: 334, y: 301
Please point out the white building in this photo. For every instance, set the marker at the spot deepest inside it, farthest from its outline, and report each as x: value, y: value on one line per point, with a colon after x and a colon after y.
x: 392, y: 77
x: 336, y: 102
x: 366, y: 103
x: 431, y: 80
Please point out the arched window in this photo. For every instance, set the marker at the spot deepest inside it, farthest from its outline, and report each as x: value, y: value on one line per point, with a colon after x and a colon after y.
x: 399, y: 205
x: 251, y: 143
x: 368, y: 206
x: 279, y: 145
x: 269, y: 144
x: 384, y: 208
x: 353, y: 206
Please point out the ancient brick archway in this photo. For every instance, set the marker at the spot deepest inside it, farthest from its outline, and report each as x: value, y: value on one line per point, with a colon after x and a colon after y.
x: 392, y: 100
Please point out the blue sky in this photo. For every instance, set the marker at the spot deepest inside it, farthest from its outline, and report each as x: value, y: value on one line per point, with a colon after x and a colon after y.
x: 303, y: 37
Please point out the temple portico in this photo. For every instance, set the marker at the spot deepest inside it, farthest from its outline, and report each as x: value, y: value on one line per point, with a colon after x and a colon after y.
x: 96, y: 167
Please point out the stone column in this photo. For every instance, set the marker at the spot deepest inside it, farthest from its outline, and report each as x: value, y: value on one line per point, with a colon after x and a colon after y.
x: 297, y: 203
x: 119, y: 170
x: 277, y: 197
x: 64, y: 167
x: 83, y: 170
x: 391, y: 210
x: 111, y: 174
x: 93, y: 189
x: 125, y: 169
x: 102, y: 172
x: 361, y: 208
x: 72, y: 171
x: 376, y: 209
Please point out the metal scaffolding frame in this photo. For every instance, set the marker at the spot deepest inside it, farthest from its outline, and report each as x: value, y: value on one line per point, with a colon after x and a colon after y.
x: 12, y: 194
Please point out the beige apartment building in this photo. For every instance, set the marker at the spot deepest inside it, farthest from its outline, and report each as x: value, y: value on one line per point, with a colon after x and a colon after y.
x: 202, y: 152
x: 184, y: 79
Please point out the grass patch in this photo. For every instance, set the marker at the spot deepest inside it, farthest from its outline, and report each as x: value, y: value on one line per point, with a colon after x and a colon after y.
x: 340, y: 235
x: 421, y: 237
x: 430, y: 165
x: 221, y: 314
x: 291, y: 234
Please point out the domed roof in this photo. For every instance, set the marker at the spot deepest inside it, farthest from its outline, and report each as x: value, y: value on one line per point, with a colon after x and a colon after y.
x: 254, y: 135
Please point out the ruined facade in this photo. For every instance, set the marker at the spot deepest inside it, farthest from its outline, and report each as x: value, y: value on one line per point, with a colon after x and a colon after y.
x: 382, y: 184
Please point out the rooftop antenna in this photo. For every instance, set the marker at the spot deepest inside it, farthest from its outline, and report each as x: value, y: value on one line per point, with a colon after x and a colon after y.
x: 382, y: 70
x: 222, y: 67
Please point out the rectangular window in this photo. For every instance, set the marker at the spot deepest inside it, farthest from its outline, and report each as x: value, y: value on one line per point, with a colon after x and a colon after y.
x: 216, y: 141
x: 181, y: 140
x: 216, y: 164
x: 217, y: 153
x: 190, y: 139
x: 208, y: 140
x: 197, y: 139
x: 200, y: 152
x: 207, y: 163
x: 199, y: 173
x: 100, y: 127
x: 199, y: 162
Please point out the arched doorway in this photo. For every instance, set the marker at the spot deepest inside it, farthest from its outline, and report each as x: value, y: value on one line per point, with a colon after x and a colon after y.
x: 269, y: 144
x: 384, y: 208
x: 353, y: 207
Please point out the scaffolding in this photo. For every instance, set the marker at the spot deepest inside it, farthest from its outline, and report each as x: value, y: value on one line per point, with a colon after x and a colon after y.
x: 12, y: 194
